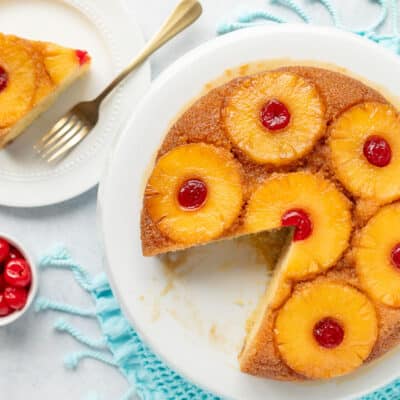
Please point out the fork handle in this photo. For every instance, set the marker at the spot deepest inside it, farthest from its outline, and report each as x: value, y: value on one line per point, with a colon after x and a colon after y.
x: 186, y: 12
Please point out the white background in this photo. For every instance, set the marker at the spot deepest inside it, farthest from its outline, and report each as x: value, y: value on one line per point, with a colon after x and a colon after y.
x: 31, y: 353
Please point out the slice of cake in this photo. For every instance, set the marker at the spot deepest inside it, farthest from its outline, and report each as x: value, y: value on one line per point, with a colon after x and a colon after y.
x: 32, y: 76
x: 298, y: 147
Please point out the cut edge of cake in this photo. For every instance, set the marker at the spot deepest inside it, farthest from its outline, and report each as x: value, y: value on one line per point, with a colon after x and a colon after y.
x: 277, y: 291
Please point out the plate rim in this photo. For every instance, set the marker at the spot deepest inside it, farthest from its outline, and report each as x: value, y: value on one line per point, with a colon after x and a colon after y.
x: 76, y: 190
x: 186, y: 59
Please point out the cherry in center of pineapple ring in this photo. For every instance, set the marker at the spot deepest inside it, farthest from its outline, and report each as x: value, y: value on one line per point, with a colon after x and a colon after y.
x: 3, y: 79
x: 395, y: 256
x: 377, y: 151
x: 192, y: 194
x: 328, y: 333
x: 300, y: 220
x: 274, y: 115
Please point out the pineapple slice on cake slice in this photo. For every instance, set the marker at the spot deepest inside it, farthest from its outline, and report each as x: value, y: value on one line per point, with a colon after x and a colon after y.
x: 17, y: 79
x: 326, y: 329
x: 32, y: 76
x: 275, y: 117
x: 321, y: 220
x: 377, y: 256
x: 195, y: 193
x: 62, y: 63
x: 365, y: 147
x: 315, y: 208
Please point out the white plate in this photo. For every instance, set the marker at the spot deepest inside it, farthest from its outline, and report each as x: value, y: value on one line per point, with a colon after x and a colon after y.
x: 112, y: 37
x: 194, y: 318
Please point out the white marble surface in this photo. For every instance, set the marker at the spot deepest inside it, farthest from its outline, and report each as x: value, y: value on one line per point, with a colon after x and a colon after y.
x: 30, y: 352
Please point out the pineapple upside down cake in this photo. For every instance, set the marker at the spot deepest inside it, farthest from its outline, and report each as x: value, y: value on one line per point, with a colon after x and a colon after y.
x: 32, y: 75
x: 299, y: 147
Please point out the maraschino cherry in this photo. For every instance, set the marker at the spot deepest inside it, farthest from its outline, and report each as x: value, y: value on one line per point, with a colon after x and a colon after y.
x: 3, y: 79
x: 300, y: 220
x: 14, y: 253
x: 274, y: 115
x: 328, y: 333
x: 192, y: 194
x: 377, y: 151
x: 395, y: 256
x: 4, y: 250
x: 17, y: 273
x: 15, y: 297
x: 83, y: 56
x: 15, y: 278
x: 3, y: 283
x: 4, y: 307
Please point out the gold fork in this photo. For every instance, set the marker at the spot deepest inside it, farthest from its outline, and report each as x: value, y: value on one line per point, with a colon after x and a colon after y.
x: 77, y: 123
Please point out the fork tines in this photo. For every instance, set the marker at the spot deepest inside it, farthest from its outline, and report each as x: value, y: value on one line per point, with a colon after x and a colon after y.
x: 66, y: 133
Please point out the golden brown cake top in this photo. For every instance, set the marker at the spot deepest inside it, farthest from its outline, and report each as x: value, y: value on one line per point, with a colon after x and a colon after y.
x: 304, y: 147
x: 203, y: 123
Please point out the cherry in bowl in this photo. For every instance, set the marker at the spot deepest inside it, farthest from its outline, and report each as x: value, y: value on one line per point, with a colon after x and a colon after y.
x: 18, y: 279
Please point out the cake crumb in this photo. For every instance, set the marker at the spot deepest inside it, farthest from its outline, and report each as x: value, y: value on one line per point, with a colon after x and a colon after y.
x: 168, y: 287
x: 215, y: 336
x: 156, y: 312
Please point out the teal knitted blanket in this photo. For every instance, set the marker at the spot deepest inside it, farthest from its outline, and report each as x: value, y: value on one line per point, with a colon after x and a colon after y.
x: 120, y: 346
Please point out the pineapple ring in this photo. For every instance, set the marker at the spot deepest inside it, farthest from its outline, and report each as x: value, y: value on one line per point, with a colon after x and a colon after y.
x: 347, y: 137
x: 16, y: 99
x: 59, y: 61
x: 312, y: 303
x: 373, y: 250
x: 307, y: 122
x: 220, y: 172
x: 44, y: 83
x: 329, y: 211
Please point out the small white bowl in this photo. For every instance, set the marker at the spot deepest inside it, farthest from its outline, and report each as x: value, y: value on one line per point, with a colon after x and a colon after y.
x: 34, y: 284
